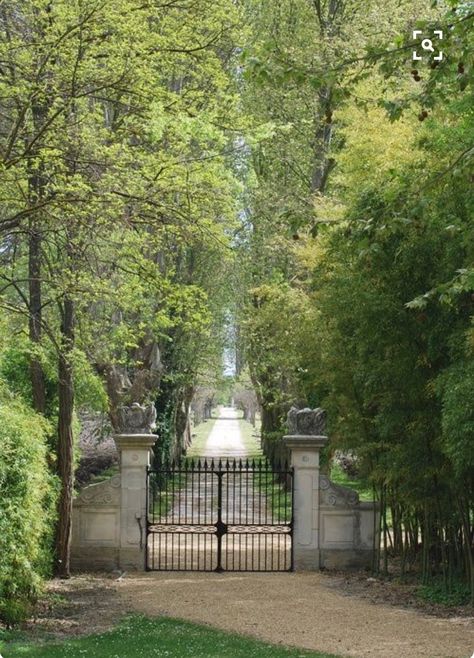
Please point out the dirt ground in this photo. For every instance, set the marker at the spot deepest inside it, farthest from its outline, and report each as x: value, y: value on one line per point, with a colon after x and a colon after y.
x: 316, y: 611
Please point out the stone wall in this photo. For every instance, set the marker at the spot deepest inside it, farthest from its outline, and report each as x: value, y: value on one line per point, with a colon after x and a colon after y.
x: 109, y: 518
x: 332, y: 528
x: 96, y: 526
x: 348, y: 528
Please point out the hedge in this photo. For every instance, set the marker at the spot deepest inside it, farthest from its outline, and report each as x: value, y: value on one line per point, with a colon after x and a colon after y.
x: 26, y: 504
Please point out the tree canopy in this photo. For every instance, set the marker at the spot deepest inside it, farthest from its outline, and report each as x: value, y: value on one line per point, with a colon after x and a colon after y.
x: 180, y: 181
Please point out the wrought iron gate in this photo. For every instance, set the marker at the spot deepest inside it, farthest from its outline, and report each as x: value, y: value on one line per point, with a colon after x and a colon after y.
x: 220, y: 516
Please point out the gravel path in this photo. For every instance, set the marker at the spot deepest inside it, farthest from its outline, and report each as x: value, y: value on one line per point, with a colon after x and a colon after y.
x: 298, y: 610
x: 303, y: 610
x: 225, y: 440
x: 196, y: 502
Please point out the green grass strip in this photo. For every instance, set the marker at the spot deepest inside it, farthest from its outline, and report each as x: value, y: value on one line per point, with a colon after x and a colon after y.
x: 200, y: 433
x: 141, y: 637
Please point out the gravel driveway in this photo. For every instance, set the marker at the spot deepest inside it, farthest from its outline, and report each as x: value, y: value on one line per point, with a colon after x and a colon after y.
x: 299, y: 610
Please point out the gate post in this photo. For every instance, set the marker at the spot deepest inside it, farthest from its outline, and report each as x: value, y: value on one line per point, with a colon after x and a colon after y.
x: 134, y: 451
x: 305, y: 442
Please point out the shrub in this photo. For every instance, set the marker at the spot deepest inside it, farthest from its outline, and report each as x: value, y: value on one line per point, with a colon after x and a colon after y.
x: 26, y: 504
x: 450, y: 594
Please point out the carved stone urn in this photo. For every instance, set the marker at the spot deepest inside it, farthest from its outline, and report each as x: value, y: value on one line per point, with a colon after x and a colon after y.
x: 306, y: 422
x: 137, y: 419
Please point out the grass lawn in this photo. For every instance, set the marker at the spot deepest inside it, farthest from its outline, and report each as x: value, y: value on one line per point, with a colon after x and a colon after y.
x: 140, y: 637
x: 251, y: 438
x: 200, y: 433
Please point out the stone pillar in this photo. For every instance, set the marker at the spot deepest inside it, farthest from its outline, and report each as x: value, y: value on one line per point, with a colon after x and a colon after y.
x: 134, y: 451
x: 305, y: 439
x: 305, y: 461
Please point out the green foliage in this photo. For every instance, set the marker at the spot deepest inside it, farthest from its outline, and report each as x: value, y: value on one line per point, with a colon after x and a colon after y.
x: 434, y: 83
x: 457, y: 594
x: 88, y: 386
x: 358, y: 254
x: 25, y: 507
x: 273, y: 347
x: 15, y: 360
x: 224, y: 391
x: 455, y: 387
x: 395, y: 376
x: 138, y: 636
x: 16, y: 353
x: 117, y: 205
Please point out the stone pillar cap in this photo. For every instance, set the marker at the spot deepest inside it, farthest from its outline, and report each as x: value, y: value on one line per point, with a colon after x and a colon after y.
x: 305, y: 440
x: 134, y: 440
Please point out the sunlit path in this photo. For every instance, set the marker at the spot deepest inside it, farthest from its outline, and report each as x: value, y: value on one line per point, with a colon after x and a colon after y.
x: 225, y: 439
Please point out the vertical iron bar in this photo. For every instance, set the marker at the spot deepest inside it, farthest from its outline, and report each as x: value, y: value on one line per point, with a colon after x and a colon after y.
x: 234, y: 494
x: 219, y: 521
x: 199, y: 491
x: 172, y: 551
x: 179, y: 491
x: 240, y: 493
x: 272, y: 494
x: 147, y: 519
x: 292, y: 519
x: 240, y: 551
x: 186, y: 475
x: 247, y: 494
x: 165, y: 537
x: 205, y: 491
x: 252, y: 493
x: 172, y: 483
x: 227, y: 497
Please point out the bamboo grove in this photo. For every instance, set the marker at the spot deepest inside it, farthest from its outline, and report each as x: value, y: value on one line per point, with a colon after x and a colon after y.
x: 357, y: 259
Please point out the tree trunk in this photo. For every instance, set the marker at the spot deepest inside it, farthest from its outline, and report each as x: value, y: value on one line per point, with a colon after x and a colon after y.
x: 36, y: 185
x: 35, y: 318
x: 65, y: 450
x: 323, y: 164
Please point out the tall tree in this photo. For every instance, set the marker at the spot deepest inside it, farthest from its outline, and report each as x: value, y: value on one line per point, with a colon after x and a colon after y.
x: 114, y: 162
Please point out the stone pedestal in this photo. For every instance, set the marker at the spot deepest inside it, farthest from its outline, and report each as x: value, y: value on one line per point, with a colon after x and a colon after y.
x: 305, y: 461
x: 134, y: 450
